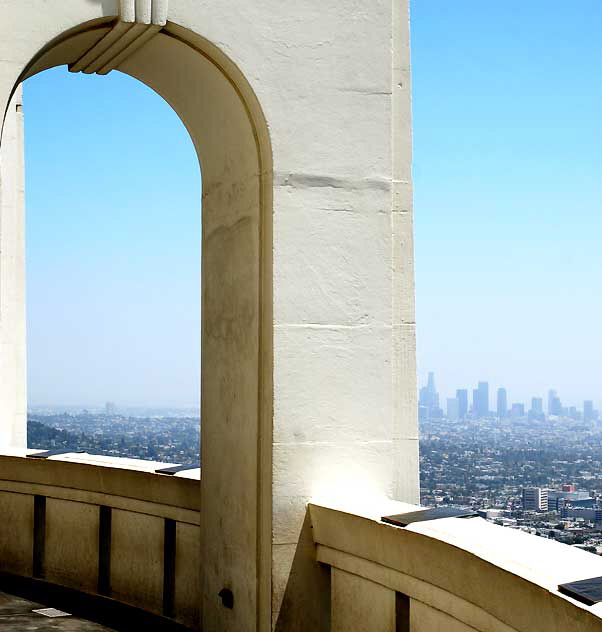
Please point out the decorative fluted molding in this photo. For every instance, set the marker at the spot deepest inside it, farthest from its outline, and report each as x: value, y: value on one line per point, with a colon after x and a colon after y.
x: 159, y: 12
x: 138, y: 22
x: 127, y: 10
x: 145, y: 11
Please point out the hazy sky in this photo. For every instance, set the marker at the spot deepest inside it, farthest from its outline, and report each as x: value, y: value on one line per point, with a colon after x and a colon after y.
x: 113, y: 254
x: 507, y: 138
x: 508, y: 194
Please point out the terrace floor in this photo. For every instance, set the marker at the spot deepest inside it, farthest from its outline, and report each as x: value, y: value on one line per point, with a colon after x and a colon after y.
x: 19, y: 614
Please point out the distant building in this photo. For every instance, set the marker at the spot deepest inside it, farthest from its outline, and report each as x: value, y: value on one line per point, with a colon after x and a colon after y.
x: 462, y: 397
x: 551, y: 396
x: 554, y: 404
x: 518, y: 411
x: 535, y: 499
x: 588, y: 410
x: 429, y: 398
x: 453, y: 409
x: 589, y: 514
x: 502, y: 403
x: 556, y: 407
x: 568, y: 488
x: 480, y: 400
x: 110, y: 409
x: 491, y: 514
x: 536, y: 412
x: 559, y: 499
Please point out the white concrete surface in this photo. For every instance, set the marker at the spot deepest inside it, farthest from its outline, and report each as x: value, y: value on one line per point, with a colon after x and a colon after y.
x: 301, y: 118
x: 360, y: 605
x: 13, y: 379
x: 139, y: 500
x: 459, y: 574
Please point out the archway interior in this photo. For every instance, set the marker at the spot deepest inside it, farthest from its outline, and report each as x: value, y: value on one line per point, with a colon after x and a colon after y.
x: 229, y: 133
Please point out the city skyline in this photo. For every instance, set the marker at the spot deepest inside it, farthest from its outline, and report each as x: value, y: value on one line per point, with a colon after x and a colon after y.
x: 487, y: 401
x: 507, y: 195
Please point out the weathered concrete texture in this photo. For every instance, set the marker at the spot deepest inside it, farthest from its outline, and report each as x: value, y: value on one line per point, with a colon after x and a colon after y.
x: 426, y: 619
x: 188, y: 574
x: 17, y: 614
x: 16, y: 533
x: 13, y: 379
x: 137, y: 560
x: 301, y: 119
x: 360, y: 605
x: 458, y: 574
x: 70, y: 543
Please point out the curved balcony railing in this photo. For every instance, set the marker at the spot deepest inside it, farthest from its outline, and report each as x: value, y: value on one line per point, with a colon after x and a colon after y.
x: 452, y: 575
x: 117, y: 531
x: 107, y: 527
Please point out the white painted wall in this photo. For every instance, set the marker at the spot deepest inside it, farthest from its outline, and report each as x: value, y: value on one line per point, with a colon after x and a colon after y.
x: 13, y: 378
x: 301, y: 115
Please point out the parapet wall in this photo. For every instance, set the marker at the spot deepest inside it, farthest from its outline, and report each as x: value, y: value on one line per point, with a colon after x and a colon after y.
x: 117, y: 529
x: 452, y: 575
x: 104, y: 526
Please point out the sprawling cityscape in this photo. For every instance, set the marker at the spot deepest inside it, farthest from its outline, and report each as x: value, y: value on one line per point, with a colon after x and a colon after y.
x: 534, y: 469
x: 164, y: 436
x: 529, y: 469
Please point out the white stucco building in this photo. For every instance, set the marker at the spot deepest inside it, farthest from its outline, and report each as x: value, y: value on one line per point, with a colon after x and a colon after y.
x: 300, y: 114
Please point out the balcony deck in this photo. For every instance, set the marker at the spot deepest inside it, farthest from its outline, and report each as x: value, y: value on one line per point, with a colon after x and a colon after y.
x: 17, y: 613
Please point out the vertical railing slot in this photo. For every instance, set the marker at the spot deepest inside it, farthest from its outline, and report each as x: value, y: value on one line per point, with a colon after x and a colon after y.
x: 39, y: 537
x: 325, y: 594
x: 402, y: 613
x: 104, y: 551
x: 169, y: 568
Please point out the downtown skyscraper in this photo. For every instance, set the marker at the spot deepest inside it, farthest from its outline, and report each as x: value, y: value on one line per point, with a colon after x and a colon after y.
x: 429, y: 399
x: 480, y: 400
x: 502, y: 403
x: 554, y: 403
x: 460, y: 408
x: 462, y: 397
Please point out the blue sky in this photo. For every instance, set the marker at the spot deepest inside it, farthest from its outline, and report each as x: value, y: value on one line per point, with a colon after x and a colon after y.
x: 507, y: 100
x: 113, y: 233
x: 507, y: 107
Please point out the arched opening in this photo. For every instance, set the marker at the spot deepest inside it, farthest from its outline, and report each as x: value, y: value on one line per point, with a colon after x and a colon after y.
x: 228, y: 130
x: 113, y: 270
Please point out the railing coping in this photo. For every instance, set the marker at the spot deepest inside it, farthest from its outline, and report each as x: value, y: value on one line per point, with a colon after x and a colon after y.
x: 100, y: 460
x: 356, y: 528
x: 97, y: 479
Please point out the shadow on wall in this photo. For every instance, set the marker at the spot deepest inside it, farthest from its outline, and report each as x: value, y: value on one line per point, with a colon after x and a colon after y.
x: 306, y: 601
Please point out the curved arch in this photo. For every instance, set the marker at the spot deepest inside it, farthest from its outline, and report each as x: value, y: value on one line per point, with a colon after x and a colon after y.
x: 230, y: 134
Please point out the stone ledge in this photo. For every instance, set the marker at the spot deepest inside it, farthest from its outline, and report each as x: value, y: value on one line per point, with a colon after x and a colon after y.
x: 110, y: 476
x: 479, y: 573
